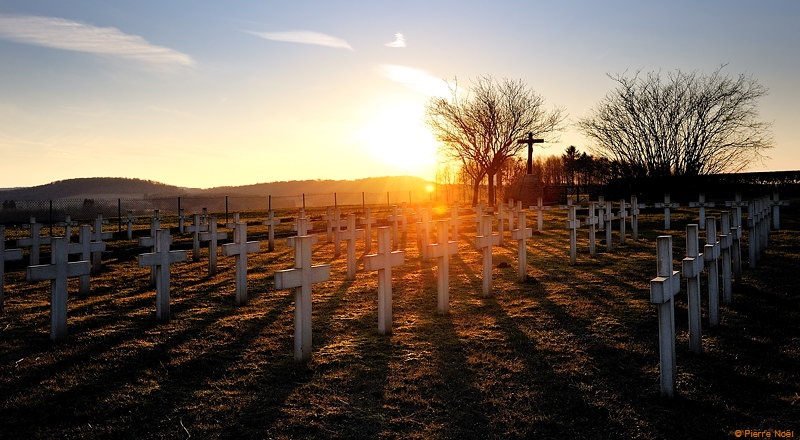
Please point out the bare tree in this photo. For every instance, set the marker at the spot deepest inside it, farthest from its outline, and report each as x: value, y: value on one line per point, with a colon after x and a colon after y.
x: 680, y: 124
x: 481, y: 128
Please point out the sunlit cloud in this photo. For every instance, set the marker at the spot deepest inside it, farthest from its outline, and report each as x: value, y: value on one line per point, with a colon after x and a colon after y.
x: 399, y: 41
x: 304, y: 37
x: 415, y: 79
x: 58, y: 33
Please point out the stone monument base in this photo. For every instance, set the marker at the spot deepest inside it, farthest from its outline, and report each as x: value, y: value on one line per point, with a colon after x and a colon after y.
x: 530, y: 190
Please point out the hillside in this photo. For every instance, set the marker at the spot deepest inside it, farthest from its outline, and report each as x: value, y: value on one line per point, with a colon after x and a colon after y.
x: 114, y: 187
x: 98, y: 187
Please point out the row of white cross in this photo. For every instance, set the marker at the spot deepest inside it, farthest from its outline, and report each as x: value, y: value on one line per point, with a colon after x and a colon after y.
x: 667, y: 284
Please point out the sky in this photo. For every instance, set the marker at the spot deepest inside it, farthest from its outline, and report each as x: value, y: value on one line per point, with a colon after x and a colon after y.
x: 202, y: 93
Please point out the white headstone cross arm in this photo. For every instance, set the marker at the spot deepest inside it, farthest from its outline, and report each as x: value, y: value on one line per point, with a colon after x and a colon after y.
x: 663, y: 289
x: 160, y: 260
x: 383, y: 262
x: 240, y: 248
x: 58, y: 272
x: 300, y: 278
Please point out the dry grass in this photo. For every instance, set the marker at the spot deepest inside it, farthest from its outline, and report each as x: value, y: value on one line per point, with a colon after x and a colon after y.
x: 570, y: 353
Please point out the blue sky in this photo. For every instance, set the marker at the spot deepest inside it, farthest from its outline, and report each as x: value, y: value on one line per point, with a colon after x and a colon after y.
x: 201, y: 93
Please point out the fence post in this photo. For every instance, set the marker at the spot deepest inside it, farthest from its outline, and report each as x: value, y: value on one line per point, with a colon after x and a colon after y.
x: 51, y: 218
x: 119, y: 215
x: 269, y: 203
x: 226, y: 209
x: 335, y: 201
x: 387, y: 200
x: 363, y: 202
x: 304, y: 201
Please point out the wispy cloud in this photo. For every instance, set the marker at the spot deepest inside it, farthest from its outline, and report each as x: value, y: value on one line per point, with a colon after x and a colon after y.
x: 415, y: 79
x: 304, y: 37
x: 64, y: 34
x: 399, y: 41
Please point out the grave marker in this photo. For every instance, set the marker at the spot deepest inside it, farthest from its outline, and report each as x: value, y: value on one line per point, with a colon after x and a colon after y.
x: 455, y: 221
x: 98, y: 235
x: 601, y: 211
x: 521, y: 234
x: 442, y: 251
x: 609, y: 217
x: 663, y: 289
x: 367, y: 222
x: 394, y: 218
x: 181, y: 221
x: 240, y: 248
x: 485, y: 242
x: 300, y: 278
x: 155, y: 226
x: 160, y: 259
x: 350, y: 236
x: 623, y: 214
x: 711, y: 253
x: 5, y: 255
x: 701, y: 204
x: 692, y: 267
x: 85, y: 247
x: 726, y: 247
x: 58, y: 271
x: 572, y: 224
x: 667, y: 205
x: 232, y: 224
x: 129, y: 225
x: 197, y: 227
x: 67, y: 224
x: 635, y: 217
x: 212, y: 236
x: 776, y: 203
x: 592, y: 220
x: 35, y: 241
x: 539, y: 208
x: 383, y: 262
x: 736, y: 249
x: 271, y: 223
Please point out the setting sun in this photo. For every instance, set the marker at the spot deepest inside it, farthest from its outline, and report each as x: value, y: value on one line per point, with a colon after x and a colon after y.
x: 396, y: 136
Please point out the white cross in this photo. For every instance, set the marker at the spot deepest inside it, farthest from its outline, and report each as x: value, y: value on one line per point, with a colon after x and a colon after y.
x: 98, y: 235
x: 155, y: 226
x: 181, y: 221
x: 232, y: 225
x: 383, y: 262
x: 424, y: 233
x: 302, y: 224
x: 67, y: 224
x: 442, y: 251
x: 337, y: 224
x: 160, y: 260
x: 455, y: 221
x: 34, y: 241
x: 573, y: 224
x: 5, y: 255
x: 726, y: 248
x: 663, y: 289
x: 271, y: 223
x: 394, y: 218
x: 485, y: 241
x: 129, y: 223
x: 350, y: 236
x: 609, y: 217
x: 539, y: 208
x: 711, y: 253
x: 635, y: 217
x: 300, y: 278
x: 58, y: 272
x: 212, y: 236
x: 240, y: 248
x: 601, y: 212
x: 776, y: 204
x: 85, y: 247
x: 367, y: 222
x: 196, y: 228
x: 592, y: 220
x: 521, y: 234
x: 702, y: 204
x: 692, y: 265
x: 623, y: 214
x: 666, y: 205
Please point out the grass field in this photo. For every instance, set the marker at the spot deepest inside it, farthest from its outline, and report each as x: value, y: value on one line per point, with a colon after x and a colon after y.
x: 569, y: 353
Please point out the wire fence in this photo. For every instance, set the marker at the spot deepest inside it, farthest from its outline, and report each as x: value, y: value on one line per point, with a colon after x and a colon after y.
x: 58, y: 211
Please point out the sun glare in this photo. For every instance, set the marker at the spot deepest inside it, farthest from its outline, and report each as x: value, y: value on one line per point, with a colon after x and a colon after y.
x: 397, y: 137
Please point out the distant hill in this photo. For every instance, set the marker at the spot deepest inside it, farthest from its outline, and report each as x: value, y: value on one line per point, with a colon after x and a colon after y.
x: 117, y: 187
x: 92, y: 187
